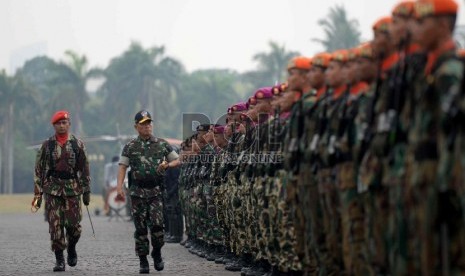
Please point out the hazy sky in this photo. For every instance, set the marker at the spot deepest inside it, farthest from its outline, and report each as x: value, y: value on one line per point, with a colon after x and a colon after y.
x: 200, y: 33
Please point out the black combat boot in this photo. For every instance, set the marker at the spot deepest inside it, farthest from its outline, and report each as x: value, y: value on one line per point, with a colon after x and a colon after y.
x: 72, y: 255
x: 144, y: 265
x: 157, y: 260
x: 60, y: 261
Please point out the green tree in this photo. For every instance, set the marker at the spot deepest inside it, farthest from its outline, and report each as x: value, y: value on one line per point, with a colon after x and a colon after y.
x: 271, y: 66
x: 70, y: 85
x: 209, y: 92
x: 340, y: 31
x: 142, y: 78
x: 16, y: 97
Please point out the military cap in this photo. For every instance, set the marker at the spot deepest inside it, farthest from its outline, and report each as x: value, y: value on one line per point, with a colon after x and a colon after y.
x: 365, y: 50
x: 278, y: 89
x: 303, y: 63
x: 321, y: 60
x: 218, y: 129
x: 203, y: 127
x: 263, y: 93
x: 425, y: 8
x: 353, y: 53
x: 238, y: 107
x: 251, y: 101
x: 404, y: 9
x: 59, y: 115
x: 142, y: 116
x: 382, y: 24
x: 340, y: 56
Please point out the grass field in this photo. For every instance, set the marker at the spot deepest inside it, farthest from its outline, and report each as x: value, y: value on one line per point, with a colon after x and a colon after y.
x: 21, y: 203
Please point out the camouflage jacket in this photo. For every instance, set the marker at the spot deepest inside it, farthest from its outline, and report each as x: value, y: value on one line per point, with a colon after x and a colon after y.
x: 143, y: 157
x: 62, y: 162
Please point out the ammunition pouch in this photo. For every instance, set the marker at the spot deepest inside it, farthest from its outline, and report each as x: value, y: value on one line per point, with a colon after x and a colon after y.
x: 65, y: 175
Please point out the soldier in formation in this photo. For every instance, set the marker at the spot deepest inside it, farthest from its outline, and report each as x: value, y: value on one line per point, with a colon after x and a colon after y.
x: 353, y: 166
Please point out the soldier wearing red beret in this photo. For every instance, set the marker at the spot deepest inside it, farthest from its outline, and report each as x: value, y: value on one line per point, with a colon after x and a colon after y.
x: 62, y: 172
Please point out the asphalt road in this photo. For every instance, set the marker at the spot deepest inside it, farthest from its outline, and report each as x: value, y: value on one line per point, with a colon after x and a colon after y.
x: 25, y: 250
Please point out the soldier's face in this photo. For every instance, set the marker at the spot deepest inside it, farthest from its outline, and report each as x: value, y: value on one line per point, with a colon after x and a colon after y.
x: 381, y: 43
x: 317, y: 77
x: 297, y: 79
x: 144, y: 129
x: 62, y: 126
x: 334, y: 77
x: 412, y: 27
x: 428, y: 32
x: 366, y: 69
x: 398, y: 30
x: 287, y: 100
x: 220, y: 140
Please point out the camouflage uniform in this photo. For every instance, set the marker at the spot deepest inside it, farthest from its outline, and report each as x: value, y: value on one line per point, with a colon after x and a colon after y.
x: 62, y: 173
x: 144, y: 156
x: 432, y: 193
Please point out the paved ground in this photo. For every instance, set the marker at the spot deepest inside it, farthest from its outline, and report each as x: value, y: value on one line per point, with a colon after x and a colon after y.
x: 25, y: 250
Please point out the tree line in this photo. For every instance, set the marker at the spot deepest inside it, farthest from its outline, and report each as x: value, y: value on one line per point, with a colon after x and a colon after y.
x: 139, y: 78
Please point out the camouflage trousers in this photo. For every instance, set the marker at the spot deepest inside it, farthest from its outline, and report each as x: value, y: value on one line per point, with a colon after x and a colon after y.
x: 147, y: 215
x: 183, y: 200
x: 331, y: 251
x: 248, y: 225
x: 220, y: 201
x: 233, y: 205
x: 268, y: 221
x: 258, y: 193
x: 352, y: 218
x: 214, y: 231
x: 63, y: 213
x: 308, y: 218
x: 286, y: 238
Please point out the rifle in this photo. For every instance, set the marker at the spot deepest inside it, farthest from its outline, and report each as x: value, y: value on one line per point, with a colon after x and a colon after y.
x: 294, y: 143
x: 321, y: 128
x: 343, y: 123
x: 368, y: 125
x: 398, y: 96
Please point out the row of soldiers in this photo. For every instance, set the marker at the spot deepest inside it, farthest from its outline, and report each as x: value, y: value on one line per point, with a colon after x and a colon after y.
x: 354, y: 166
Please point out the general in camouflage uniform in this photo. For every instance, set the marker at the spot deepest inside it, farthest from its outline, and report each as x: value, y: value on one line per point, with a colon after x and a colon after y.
x: 148, y: 157
x: 62, y: 173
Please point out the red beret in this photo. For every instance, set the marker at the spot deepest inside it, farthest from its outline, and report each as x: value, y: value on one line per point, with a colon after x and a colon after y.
x: 59, y: 115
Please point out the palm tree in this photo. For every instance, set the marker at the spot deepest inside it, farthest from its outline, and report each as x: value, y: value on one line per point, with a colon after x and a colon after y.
x: 142, y: 78
x: 271, y: 66
x: 70, y: 80
x: 14, y: 92
x: 340, y: 32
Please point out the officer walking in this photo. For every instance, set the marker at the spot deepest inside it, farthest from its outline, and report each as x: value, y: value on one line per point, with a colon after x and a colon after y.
x: 62, y: 173
x: 149, y: 157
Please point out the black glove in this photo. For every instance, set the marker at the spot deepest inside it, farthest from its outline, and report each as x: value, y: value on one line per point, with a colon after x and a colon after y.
x: 86, y: 198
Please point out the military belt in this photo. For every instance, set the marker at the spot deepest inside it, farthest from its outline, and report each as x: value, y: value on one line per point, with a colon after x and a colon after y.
x: 147, y: 183
x: 62, y: 175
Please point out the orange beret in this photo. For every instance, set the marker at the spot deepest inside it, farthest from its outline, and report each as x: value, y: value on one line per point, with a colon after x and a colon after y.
x: 365, y: 50
x: 382, y: 24
x: 353, y: 54
x: 404, y: 9
x: 59, y: 115
x: 340, y: 55
x: 321, y: 59
x: 300, y: 63
x: 424, y: 8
